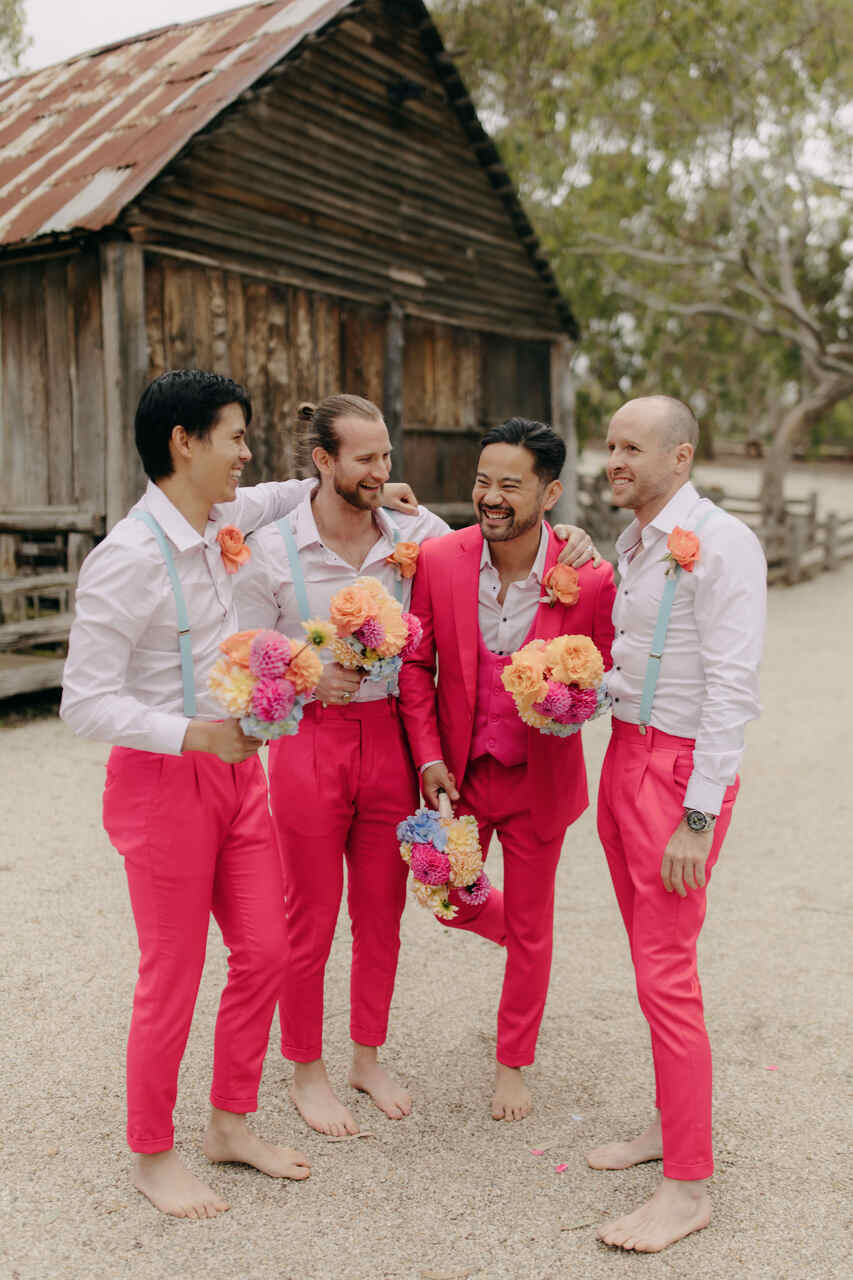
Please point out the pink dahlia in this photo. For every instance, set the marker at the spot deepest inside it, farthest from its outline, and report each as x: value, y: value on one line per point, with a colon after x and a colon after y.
x: 475, y: 894
x: 269, y: 655
x: 584, y: 703
x: 416, y: 631
x: 371, y: 633
x: 567, y: 705
x: 273, y: 699
x: 429, y: 865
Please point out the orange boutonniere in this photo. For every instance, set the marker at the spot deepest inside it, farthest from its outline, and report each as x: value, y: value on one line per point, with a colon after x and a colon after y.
x: 404, y: 558
x: 682, y: 549
x: 234, y: 549
x: 562, y: 585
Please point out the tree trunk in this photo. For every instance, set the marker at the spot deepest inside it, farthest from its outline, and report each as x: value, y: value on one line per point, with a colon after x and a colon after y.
x: 818, y: 401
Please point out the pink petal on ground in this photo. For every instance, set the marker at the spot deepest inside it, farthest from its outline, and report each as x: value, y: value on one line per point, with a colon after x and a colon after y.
x: 560, y: 1168
x: 537, y: 1151
x: 771, y: 1068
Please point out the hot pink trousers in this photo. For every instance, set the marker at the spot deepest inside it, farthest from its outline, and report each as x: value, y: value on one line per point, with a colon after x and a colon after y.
x: 196, y: 837
x: 640, y: 803
x: 522, y: 917
x: 338, y: 790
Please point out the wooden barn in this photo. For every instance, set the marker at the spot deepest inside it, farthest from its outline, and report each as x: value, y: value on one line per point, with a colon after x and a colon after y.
x: 297, y: 193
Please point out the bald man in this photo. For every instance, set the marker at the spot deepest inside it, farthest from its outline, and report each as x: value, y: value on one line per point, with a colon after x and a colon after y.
x: 689, y: 621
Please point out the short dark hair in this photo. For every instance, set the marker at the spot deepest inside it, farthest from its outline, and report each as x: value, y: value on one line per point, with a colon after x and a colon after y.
x: 190, y: 398
x: 548, y: 449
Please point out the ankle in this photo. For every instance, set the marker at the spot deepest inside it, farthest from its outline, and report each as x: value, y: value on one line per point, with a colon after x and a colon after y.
x: 364, y: 1055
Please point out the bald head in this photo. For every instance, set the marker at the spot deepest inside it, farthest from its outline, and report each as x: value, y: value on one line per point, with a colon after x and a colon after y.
x: 672, y: 420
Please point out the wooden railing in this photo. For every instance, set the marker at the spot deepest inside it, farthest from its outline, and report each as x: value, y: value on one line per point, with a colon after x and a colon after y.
x: 41, y: 550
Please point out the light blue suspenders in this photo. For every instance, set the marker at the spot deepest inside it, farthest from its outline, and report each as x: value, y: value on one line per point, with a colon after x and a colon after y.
x: 184, y: 637
x: 299, y: 577
x: 659, y: 637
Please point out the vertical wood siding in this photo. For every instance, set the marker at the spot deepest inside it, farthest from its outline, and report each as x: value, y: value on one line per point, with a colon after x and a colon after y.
x: 51, y: 383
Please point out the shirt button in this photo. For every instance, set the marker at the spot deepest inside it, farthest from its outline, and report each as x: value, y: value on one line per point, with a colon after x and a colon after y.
x: 615, y: 699
x: 618, y: 668
x: 622, y: 631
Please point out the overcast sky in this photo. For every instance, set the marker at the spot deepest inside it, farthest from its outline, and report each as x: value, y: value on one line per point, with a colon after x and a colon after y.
x: 60, y: 28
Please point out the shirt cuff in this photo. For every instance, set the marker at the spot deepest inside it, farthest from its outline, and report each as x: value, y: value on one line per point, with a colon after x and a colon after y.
x: 421, y: 767
x: 167, y: 732
x: 704, y: 795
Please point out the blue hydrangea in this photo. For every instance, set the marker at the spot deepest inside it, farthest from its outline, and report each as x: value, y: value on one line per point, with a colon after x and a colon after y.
x: 423, y: 827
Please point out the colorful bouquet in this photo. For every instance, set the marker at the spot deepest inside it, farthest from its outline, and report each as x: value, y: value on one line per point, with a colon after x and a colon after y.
x: 264, y: 679
x: 557, y: 685
x: 372, y: 633
x: 444, y: 853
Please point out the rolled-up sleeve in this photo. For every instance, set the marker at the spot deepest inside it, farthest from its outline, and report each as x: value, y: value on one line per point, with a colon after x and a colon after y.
x: 730, y: 612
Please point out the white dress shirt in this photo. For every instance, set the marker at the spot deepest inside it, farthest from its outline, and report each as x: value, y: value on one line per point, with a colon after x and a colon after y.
x: 122, y: 680
x: 504, y: 626
x: 265, y: 596
x: 708, y: 683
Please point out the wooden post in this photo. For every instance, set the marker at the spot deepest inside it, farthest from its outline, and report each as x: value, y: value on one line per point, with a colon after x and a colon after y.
x: 563, y: 422
x: 796, y: 545
x: 393, y: 386
x: 830, y: 546
x: 125, y: 370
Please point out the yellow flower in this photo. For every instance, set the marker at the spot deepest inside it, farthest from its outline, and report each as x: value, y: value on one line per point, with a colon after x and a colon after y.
x: 319, y: 631
x: 406, y: 851
x: 305, y: 668
x: 232, y: 686
x: 463, y: 850
x: 434, y: 898
x: 343, y: 654
x: 574, y: 660
x: 524, y: 677
x: 534, y: 718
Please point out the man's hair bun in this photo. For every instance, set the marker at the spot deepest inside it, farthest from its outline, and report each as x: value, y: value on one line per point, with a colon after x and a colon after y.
x: 305, y: 411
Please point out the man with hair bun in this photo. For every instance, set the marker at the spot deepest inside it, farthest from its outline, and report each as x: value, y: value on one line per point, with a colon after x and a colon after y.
x: 689, y: 620
x: 479, y: 596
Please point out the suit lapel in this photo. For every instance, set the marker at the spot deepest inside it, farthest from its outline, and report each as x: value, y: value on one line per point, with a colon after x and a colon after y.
x: 550, y: 618
x: 464, y: 589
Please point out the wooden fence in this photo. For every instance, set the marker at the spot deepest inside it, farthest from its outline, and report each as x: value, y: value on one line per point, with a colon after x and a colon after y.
x: 41, y: 550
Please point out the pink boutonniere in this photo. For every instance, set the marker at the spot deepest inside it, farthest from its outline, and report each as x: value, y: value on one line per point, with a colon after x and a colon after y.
x: 682, y: 549
x: 233, y: 545
x: 562, y: 585
x: 404, y: 558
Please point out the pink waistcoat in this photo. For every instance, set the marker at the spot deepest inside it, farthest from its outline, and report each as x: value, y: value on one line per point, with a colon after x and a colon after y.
x: 499, y: 731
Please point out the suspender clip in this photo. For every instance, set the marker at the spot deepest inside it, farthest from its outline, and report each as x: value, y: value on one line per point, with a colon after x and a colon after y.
x: 642, y: 728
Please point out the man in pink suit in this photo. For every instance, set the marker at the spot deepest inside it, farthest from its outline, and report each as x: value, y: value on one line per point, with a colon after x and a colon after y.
x: 479, y: 594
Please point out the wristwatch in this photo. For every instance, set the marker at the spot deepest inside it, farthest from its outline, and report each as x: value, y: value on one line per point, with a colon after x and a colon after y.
x: 699, y: 821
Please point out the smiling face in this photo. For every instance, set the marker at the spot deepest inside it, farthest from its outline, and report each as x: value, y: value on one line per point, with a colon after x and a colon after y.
x: 509, y: 497
x: 216, y: 461
x: 646, y: 463
x: 362, y: 464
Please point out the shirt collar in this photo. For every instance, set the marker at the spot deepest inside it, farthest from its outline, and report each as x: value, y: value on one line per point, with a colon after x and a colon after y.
x: 675, y: 512
x: 175, y: 525
x: 305, y: 528
x: 537, y: 570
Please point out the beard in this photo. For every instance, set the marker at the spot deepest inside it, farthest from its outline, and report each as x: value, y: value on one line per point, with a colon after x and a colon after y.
x: 513, y: 528
x: 356, y: 497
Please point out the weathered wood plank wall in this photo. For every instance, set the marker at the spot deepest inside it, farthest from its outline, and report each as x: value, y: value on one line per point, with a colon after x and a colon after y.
x: 51, y: 383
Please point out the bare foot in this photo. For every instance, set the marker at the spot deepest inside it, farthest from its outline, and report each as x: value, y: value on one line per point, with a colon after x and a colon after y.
x: 229, y: 1139
x: 622, y: 1155
x: 313, y: 1098
x: 675, y: 1209
x: 369, y: 1076
x: 512, y: 1100
x: 167, y: 1182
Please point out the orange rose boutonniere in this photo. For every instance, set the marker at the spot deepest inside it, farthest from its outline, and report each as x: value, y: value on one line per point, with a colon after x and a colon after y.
x: 682, y: 549
x: 234, y: 550
x: 404, y: 558
x: 562, y: 585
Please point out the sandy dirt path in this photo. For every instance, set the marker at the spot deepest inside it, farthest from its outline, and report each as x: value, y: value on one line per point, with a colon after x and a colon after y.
x: 448, y: 1192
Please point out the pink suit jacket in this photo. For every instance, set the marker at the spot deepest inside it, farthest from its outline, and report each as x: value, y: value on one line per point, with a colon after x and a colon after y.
x: 439, y: 717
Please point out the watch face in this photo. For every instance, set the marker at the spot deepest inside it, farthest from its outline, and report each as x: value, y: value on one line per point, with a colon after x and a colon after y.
x: 697, y: 821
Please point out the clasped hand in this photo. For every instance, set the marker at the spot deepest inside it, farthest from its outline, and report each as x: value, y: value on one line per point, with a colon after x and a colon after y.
x: 338, y: 685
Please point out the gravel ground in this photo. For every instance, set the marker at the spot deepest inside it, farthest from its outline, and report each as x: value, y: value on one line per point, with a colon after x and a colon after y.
x: 449, y: 1193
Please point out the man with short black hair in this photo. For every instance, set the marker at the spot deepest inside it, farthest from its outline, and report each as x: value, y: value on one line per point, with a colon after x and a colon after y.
x: 478, y: 594
x: 185, y: 802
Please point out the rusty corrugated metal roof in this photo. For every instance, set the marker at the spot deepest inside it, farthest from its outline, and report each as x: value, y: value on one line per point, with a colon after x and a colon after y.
x: 79, y: 140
